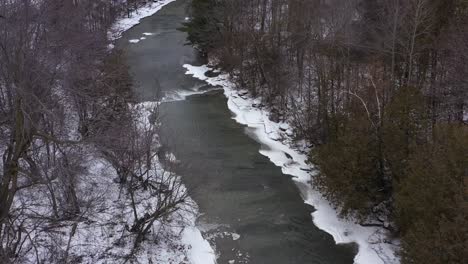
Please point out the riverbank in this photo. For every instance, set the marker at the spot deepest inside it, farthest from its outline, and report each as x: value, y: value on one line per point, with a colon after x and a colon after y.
x: 290, y: 156
x: 125, y: 23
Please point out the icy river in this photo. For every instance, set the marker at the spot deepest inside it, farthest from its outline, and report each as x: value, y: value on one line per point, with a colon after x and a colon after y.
x: 250, y: 211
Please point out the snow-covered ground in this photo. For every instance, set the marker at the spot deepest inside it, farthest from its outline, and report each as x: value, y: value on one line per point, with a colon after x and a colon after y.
x: 101, y: 232
x: 104, y: 238
x: 373, y: 245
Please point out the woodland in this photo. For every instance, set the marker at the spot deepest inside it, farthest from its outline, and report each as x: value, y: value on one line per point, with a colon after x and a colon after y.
x: 379, y: 90
x: 73, y: 138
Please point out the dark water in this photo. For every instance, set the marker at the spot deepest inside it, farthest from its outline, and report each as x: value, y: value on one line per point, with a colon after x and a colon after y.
x: 237, y: 189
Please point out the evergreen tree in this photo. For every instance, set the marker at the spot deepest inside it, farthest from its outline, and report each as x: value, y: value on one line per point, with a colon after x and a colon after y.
x: 431, y: 205
x: 205, y: 25
x: 348, y: 171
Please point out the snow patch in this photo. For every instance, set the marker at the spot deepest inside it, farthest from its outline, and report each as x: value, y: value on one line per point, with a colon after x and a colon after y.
x: 235, y: 236
x: 134, y: 40
x: 126, y: 23
x: 200, y: 251
x: 372, y: 241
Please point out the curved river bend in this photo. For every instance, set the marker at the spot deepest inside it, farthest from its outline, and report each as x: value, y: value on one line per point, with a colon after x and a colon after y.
x: 251, y: 212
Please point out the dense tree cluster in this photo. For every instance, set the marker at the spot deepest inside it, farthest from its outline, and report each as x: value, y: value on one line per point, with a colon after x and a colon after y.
x: 379, y: 87
x: 65, y: 97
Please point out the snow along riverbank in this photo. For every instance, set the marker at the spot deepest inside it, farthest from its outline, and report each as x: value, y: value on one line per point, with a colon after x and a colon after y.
x: 196, y: 249
x: 281, y: 150
x: 125, y: 23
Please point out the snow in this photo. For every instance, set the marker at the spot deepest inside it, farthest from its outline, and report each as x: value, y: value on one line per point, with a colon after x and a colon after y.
x: 200, y: 251
x: 235, y: 236
x: 104, y: 237
x: 284, y: 126
x: 373, y: 248
x: 126, y: 23
x: 134, y: 40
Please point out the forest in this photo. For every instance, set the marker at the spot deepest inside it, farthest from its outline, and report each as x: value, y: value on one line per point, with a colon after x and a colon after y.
x: 379, y: 90
x: 79, y: 156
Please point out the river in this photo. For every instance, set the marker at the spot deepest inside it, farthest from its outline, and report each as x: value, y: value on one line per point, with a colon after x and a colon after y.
x: 250, y: 211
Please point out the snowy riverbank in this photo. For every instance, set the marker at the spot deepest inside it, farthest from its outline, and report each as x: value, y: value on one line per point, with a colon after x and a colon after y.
x: 125, y: 23
x: 281, y: 150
